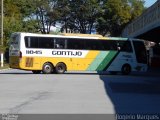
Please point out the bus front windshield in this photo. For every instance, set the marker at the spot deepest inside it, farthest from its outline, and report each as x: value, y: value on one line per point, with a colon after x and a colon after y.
x: 140, y: 51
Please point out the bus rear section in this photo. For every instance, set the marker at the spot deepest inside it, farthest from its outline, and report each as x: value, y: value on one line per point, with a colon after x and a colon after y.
x: 24, y: 58
x: 15, y: 54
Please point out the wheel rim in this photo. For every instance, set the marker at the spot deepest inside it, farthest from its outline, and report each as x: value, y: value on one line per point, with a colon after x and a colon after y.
x: 60, y: 69
x: 47, y: 68
x: 126, y: 70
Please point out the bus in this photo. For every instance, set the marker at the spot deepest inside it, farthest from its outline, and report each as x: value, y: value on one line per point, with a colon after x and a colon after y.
x: 48, y: 53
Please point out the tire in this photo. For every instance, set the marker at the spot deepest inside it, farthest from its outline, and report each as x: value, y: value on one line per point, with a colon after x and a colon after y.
x: 60, y: 68
x: 36, y: 71
x: 47, y: 68
x: 126, y: 69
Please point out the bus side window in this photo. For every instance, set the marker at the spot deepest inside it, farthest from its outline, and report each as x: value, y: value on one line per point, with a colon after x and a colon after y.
x: 109, y: 45
x: 124, y: 46
x: 59, y: 46
x: 31, y: 42
x: 59, y: 43
x: 75, y: 44
x: 45, y: 42
x: 56, y: 45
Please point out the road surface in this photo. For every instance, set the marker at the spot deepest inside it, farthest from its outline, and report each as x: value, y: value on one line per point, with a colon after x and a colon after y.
x: 22, y: 92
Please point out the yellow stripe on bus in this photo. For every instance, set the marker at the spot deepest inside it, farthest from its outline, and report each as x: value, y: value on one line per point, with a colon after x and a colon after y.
x: 83, y: 63
x: 72, y: 63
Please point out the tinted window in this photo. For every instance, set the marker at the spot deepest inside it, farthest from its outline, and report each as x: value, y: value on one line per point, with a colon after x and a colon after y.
x: 93, y: 45
x: 75, y: 43
x: 125, y: 46
x: 46, y: 42
x: 140, y: 52
x: 31, y: 42
x: 39, y: 42
x: 60, y: 43
x: 109, y: 45
x: 89, y: 44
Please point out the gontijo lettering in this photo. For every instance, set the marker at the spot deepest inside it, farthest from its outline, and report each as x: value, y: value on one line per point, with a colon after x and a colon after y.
x: 69, y: 53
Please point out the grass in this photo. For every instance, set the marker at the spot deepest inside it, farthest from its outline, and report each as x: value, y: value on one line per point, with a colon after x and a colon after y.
x: 5, y: 66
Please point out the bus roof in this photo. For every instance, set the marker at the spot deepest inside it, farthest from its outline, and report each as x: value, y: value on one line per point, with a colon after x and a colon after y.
x: 82, y: 35
x: 93, y: 35
x: 87, y: 36
x: 116, y: 38
x: 73, y: 35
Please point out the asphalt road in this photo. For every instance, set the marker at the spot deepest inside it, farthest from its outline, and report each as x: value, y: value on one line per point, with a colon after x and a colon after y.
x: 22, y: 92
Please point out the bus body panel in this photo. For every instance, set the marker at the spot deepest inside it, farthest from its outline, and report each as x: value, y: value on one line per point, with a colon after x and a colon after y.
x: 25, y: 58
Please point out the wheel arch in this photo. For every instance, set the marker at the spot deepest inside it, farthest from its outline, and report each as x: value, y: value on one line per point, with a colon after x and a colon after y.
x: 64, y: 64
x: 126, y: 64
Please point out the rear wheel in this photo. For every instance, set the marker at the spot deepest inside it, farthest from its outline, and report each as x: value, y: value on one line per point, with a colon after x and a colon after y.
x: 126, y: 69
x: 47, y: 68
x: 36, y: 71
x: 60, y: 68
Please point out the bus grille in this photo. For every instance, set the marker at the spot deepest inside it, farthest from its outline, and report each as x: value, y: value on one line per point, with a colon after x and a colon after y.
x: 29, y: 62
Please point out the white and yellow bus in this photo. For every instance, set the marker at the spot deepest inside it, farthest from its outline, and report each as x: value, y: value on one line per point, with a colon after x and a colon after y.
x: 76, y: 52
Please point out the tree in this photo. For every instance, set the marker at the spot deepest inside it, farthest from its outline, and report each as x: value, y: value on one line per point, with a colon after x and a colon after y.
x: 27, y: 9
x: 137, y: 8
x: 12, y: 19
x: 117, y: 14
x: 109, y: 16
x: 81, y: 15
x: 46, y: 14
x: 64, y: 10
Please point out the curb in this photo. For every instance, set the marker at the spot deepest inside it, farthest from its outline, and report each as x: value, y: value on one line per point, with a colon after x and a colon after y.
x: 5, y: 69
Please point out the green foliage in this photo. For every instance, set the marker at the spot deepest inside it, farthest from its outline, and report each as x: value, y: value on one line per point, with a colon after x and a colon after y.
x: 30, y: 26
x: 46, y: 14
x: 12, y: 19
x: 118, y: 13
x: 137, y: 8
x: 108, y: 16
x: 79, y: 16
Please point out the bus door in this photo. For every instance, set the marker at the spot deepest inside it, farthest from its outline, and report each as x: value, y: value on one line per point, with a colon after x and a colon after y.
x: 140, y: 51
x: 126, y: 52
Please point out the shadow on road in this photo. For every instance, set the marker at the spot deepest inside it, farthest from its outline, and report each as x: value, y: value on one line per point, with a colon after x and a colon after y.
x: 133, y: 95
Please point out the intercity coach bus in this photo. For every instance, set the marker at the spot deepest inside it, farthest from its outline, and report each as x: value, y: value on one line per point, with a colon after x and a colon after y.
x: 48, y: 53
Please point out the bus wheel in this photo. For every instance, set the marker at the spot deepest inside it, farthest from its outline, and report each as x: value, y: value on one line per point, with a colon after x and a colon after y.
x: 126, y: 69
x: 60, y: 68
x: 47, y: 68
x: 36, y: 71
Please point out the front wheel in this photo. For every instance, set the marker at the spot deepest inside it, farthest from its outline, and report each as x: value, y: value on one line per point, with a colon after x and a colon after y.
x: 126, y: 69
x: 60, y: 68
x: 47, y: 68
